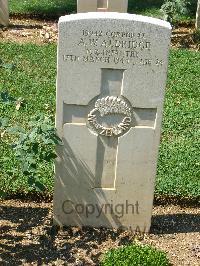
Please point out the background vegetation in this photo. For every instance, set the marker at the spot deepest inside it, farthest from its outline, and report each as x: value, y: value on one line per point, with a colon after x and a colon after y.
x: 55, y: 8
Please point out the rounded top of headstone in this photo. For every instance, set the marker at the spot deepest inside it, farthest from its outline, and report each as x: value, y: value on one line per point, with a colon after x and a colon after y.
x: 115, y: 16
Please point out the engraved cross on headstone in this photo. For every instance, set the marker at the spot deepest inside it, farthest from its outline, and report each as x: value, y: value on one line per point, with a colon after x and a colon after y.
x: 102, y: 6
x: 108, y: 116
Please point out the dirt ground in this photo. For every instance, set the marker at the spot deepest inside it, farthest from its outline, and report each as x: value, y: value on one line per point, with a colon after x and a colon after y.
x: 44, y: 31
x: 27, y: 236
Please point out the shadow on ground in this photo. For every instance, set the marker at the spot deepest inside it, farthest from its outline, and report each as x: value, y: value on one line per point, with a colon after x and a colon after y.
x: 27, y: 235
x: 25, y: 27
x: 175, y: 223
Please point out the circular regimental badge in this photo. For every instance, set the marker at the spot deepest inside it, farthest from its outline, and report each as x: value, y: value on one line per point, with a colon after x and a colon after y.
x: 108, y: 106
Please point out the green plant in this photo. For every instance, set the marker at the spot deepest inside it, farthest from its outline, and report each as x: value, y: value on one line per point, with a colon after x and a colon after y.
x: 7, y: 66
x: 135, y: 255
x: 171, y: 9
x: 25, y: 82
x: 35, y: 145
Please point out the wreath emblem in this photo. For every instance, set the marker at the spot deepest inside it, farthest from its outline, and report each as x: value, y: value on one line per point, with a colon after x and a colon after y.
x: 107, y: 106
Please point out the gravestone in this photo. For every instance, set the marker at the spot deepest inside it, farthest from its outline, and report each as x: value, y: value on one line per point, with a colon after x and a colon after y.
x: 102, y: 6
x: 198, y: 16
x: 4, y: 14
x: 112, y: 71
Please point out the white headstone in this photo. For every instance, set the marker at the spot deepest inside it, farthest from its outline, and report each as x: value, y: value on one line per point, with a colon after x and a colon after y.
x: 4, y: 14
x: 112, y: 71
x: 102, y: 6
x: 198, y: 16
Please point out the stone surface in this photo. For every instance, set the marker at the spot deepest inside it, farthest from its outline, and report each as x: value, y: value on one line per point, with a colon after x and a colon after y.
x: 4, y: 14
x: 102, y: 6
x: 198, y: 16
x: 112, y: 71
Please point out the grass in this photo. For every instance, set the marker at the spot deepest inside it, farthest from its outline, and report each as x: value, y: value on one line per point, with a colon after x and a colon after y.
x: 55, y: 8
x: 135, y: 255
x: 49, y: 8
x: 178, y: 169
x: 34, y: 80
